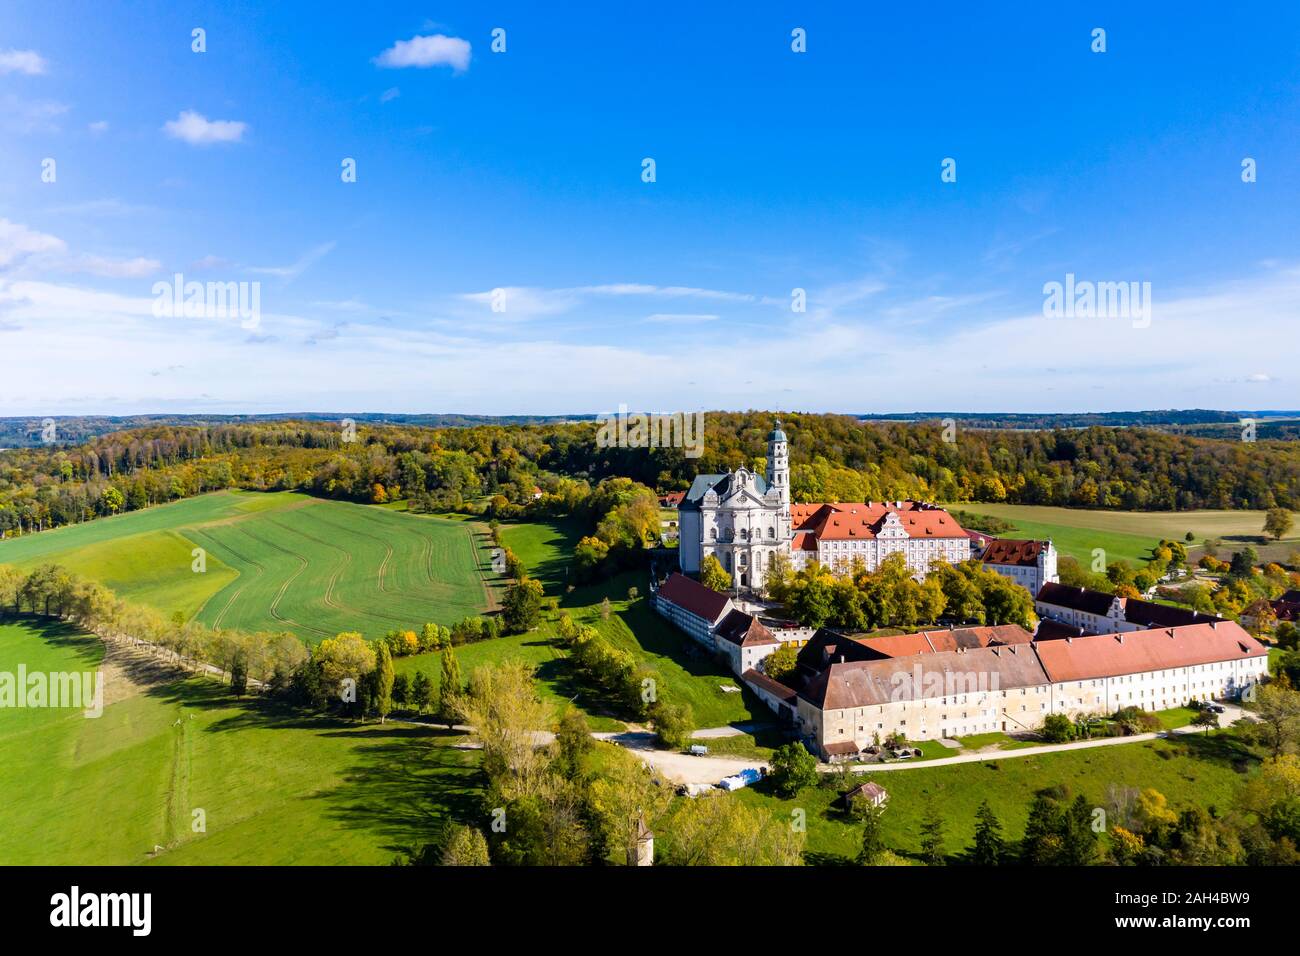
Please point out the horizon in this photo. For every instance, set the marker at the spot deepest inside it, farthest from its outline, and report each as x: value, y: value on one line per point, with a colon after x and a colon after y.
x: 596, y: 416
x: 497, y: 250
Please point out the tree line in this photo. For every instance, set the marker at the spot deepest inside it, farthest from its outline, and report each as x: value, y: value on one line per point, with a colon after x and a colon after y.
x: 500, y: 469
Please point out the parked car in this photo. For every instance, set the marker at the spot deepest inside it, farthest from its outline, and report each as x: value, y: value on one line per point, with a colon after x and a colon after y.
x: 699, y: 750
x: 1213, y: 707
x: 743, y: 779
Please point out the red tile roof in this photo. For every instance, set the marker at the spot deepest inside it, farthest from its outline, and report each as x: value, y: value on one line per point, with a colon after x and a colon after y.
x: 672, y: 499
x: 1140, y: 652
x: 1015, y: 552
x: 947, y: 639
x: 804, y: 541
x: 837, y: 522
x: 744, y: 630
x: 694, y: 597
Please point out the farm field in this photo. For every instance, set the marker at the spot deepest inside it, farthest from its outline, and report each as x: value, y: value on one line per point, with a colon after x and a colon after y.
x: 1129, y: 535
x: 279, y: 561
x: 1192, y: 770
x: 276, y: 787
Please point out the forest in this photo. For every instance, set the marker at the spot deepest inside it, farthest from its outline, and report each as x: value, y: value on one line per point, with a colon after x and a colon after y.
x: 495, y: 468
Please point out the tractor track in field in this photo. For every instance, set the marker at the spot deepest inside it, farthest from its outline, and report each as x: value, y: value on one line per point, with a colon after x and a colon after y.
x: 303, y: 563
x: 230, y: 602
x: 330, y: 599
x: 388, y: 549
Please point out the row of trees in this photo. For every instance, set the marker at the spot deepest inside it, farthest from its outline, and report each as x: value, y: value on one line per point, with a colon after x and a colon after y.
x: 345, y: 674
x: 617, y: 683
x: 891, y: 597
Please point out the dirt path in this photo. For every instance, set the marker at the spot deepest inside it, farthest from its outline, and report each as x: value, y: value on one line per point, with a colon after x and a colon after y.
x: 679, y: 767
x: 129, y: 671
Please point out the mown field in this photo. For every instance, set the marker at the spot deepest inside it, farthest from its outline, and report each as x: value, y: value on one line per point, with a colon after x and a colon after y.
x: 280, y: 561
x: 275, y: 786
x: 1129, y: 535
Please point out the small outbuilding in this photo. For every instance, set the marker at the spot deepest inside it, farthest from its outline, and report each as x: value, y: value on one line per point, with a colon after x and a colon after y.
x: 872, y: 792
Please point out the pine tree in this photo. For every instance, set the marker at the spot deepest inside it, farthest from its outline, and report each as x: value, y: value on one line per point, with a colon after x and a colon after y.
x: 873, y: 841
x: 932, y: 838
x: 421, y: 691
x: 989, y: 847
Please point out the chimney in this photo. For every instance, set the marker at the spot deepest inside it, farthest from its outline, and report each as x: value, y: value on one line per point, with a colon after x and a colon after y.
x: 1119, y: 638
x: 1069, y: 639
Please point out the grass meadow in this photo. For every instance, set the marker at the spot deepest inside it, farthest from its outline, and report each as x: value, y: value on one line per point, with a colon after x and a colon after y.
x: 275, y: 786
x: 1130, y: 535
x: 1190, y: 770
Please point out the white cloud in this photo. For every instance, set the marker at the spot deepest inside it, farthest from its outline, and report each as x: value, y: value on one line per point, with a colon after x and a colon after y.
x: 27, y: 116
x: 44, y: 252
x: 209, y: 262
x: 198, y: 130
x: 391, y: 93
x: 136, y: 268
x: 305, y: 261
x: 427, y: 51
x: 1203, y: 349
x: 99, y: 126
x: 527, y: 302
x: 685, y: 317
x: 19, y: 242
x: 22, y: 61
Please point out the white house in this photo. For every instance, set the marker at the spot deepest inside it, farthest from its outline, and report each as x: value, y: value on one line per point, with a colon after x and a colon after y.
x: 1031, y: 564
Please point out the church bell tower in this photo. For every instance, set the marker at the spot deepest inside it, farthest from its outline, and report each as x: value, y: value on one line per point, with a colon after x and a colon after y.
x: 778, y: 464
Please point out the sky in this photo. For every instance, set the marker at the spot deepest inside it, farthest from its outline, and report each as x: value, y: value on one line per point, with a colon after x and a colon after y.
x: 914, y: 178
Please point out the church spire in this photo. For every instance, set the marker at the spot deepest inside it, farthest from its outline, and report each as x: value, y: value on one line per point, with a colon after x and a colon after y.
x: 778, y: 463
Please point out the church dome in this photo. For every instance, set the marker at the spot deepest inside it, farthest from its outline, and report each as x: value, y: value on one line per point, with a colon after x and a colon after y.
x: 777, y: 434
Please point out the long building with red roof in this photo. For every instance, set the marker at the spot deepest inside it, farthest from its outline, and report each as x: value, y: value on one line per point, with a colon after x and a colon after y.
x: 853, y: 700
x: 745, y: 519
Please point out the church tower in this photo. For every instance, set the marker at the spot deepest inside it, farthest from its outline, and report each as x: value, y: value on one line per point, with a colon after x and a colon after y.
x: 778, y: 465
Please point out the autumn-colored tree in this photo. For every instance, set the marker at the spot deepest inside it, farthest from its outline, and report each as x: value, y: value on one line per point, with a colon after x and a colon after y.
x: 712, y: 575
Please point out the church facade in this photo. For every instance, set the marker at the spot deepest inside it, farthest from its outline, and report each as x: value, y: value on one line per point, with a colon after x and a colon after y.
x: 744, y: 519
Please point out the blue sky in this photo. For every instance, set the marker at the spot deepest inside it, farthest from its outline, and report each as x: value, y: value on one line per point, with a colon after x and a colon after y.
x: 521, y: 171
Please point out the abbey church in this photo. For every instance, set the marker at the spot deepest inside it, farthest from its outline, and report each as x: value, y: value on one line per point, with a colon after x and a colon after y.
x: 743, y: 519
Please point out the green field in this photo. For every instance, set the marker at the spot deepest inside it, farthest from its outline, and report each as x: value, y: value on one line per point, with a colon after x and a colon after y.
x: 279, y: 561
x: 1192, y: 770
x: 276, y: 787
x: 1130, y: 535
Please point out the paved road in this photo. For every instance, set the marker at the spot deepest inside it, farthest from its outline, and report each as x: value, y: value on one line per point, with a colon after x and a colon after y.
x: 1231, y: 713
